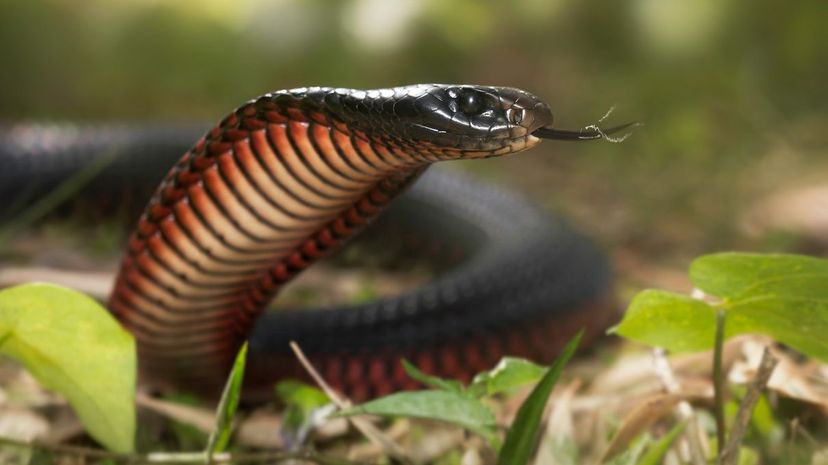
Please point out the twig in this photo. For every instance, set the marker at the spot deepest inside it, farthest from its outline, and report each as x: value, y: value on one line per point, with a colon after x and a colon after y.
x: 181, y: 458
x: 718, y: 380
x: 370, y: 431
x: 340, y: 401
x: 685, y: 411
x: 730, y: 453
x: 199, y: 418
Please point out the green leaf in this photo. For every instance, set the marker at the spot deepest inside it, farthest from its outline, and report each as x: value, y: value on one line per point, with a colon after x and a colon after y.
x: 431, y: 381
x: 673, y: 321
x: 655, y: 454
x: 72, y: 345
x: 510, y: 373
x: 300, y: 400
x: 522, y: 436
x: 781, y: 296
x: 735, y: 275
x: 220, y: 437
x: 450, y: 407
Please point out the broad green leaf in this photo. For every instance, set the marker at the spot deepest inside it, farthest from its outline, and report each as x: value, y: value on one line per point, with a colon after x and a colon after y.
x: 72, y: 345
x: 782, y: 296
x: 673, y: 321
x: 220, y: 437
x: 799, y: 323
x: 523, y: 434
x: 655, y: 454
x: 510, y: 373
x: 431, y: 381
x: 300, y: 400
x: 450, y: 407
x: 734, y: 275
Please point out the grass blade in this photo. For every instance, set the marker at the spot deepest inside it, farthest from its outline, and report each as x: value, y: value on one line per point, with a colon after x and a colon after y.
x: 657, y: 451
x: 522, y: 436
x: 226, y: 410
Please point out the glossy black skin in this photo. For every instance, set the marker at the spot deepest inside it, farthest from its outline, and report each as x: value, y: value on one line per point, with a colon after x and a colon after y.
x: 461, y: 117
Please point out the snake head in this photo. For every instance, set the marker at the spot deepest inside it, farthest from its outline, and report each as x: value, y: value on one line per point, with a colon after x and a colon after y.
x: 450, y: 121
x: 447, y: 121
x: 466, y: 121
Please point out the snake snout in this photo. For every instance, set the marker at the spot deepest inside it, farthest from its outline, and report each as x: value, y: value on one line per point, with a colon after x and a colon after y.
x: 538, y: 117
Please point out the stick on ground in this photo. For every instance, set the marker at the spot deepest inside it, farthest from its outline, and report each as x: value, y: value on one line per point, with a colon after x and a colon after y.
x: 730, y: 454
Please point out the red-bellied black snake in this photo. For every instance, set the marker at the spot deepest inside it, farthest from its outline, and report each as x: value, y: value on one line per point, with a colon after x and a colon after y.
x: 287, y: 178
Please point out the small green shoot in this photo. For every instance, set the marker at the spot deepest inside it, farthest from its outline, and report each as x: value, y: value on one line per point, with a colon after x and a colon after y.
x: 781, y: 296
x: 522, y: 436
x: 75, y: 347
x: 301, y: 402
x: 226, y: 411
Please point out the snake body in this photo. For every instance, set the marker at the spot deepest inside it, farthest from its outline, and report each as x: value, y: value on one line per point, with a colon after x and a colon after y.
x: 286, y: 179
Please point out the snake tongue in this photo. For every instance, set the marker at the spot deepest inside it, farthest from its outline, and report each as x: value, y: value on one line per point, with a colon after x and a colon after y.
x: 587, y: 133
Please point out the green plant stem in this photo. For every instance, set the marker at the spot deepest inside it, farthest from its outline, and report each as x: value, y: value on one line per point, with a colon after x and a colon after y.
x: 718, y: 380
x: 179, y: 458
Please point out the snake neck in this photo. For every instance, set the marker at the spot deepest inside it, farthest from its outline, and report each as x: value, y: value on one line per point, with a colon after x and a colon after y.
x: 271, y: 189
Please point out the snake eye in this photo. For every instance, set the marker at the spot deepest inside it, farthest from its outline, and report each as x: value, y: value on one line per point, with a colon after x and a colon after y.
x: 515, y: 116
x: 470, y: 102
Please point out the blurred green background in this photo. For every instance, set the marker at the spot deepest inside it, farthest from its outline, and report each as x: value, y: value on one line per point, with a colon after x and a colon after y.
x: 732, y: 93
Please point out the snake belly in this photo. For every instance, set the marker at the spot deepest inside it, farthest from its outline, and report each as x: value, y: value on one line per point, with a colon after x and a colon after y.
x: 285, y: 180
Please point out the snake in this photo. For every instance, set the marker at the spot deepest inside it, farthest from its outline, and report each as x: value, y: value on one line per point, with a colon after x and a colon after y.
x: 287, y: 179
